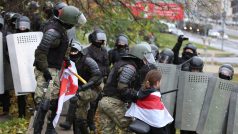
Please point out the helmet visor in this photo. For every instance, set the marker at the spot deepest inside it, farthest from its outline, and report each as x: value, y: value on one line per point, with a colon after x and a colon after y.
x: 82, y: 19
x: 226, y: 71
x: 122, y: 41
x: 23, y: 25
x: 164, y: 59
x: 101, y: 36
x: 149, y: 58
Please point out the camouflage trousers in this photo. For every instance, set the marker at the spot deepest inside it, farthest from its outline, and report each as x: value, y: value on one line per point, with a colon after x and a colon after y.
x: 83, y: 104
x: 53, y: 89
x: 111, y: 115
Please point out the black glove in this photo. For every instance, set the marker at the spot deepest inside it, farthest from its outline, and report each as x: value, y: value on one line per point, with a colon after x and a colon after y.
x: 67, y: 62
x: 47, y: 75
x: 80, y: 88
x: 181, y: 38
x: 74, y: 99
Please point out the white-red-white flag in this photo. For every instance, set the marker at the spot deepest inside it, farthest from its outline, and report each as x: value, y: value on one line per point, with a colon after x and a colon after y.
x: 68, y: 88
x: 151, y: 110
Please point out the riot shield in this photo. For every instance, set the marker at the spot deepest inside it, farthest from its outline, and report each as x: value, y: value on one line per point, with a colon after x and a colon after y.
x: 1, y: 66
x: 192, y: 88
x: 168, y: 82
x: 232, y: 124
x: 214, y: 112
x: 21, y: 49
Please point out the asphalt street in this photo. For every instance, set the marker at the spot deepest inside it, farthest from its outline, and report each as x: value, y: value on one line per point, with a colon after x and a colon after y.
x: 229, y: 46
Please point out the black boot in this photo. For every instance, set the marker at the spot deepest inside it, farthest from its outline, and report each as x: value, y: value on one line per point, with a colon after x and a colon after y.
x: 91, y: 115
x: 39, y: 121
x: 50, y: 128
x: 70, y: 116
x: 80, y: 127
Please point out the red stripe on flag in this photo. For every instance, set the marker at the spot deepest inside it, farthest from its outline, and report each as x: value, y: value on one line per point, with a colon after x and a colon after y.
x: 63, y: 86
x: 72, y: 88
x: 151, y: 102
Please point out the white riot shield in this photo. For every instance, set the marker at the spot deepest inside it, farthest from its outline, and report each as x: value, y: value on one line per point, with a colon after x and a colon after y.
x: 192, y: 88
x: 168, y: 82
x: 1, y: 66
x: 232, y: 123
x: 21, y: 49
x: 213, y: 116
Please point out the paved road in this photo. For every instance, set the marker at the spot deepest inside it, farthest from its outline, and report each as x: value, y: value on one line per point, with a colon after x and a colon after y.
x: 228, y: 31
x: 229, y: 45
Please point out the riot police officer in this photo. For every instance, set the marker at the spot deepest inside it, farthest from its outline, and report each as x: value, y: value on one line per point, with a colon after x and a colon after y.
x: 226, y: 72
x: 22, y: 25
x: 166, y: 56
x: 196, y: 64
x: 88, y: 69
x: 4, y: 98
x: 8, y: 28
x: 119, y: 88
x: 34, y: 15
x: 188, y: 52
x: 121, y: 49
x: 49, y: 57
x: 98, y: 52
x: 10, y: 21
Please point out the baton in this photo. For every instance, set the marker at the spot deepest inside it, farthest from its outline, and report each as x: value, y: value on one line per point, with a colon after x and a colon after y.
x: 175, y: 90
x: 79, y: 77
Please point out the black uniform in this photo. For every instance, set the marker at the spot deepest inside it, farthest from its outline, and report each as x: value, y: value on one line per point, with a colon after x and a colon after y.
x: 89, y: 70
x: 36, y: 21
x: 100, y: 55
x: 123, y: 76
x: 116, y: 54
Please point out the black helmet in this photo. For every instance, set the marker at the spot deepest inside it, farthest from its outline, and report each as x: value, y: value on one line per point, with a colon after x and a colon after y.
x: 196, y: 63
x: 226, y: 71
x: 23, y: 23
x: 97, y: 35
x: 57, y: 7
x: 122, y: 40
x: 11, y: 17
x: 33, y: 5
x: 76, y: 51
x: 166, y: 56
x: 191, y: 47
x: 189, y: 51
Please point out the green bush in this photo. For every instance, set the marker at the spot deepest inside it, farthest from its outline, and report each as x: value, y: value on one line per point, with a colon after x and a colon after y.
x: 14, y: 126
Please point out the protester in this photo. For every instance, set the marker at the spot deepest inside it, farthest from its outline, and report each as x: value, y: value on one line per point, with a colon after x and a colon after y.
x: 150, y: 109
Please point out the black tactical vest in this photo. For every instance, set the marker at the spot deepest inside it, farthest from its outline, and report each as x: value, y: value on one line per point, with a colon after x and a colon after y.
x: 56, y: 55
x: 100, y: 55
x: 110, y: 88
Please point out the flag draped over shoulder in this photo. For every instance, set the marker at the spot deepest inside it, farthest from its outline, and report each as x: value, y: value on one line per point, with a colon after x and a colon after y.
x: 68, y: 88
x: 151, y: 110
